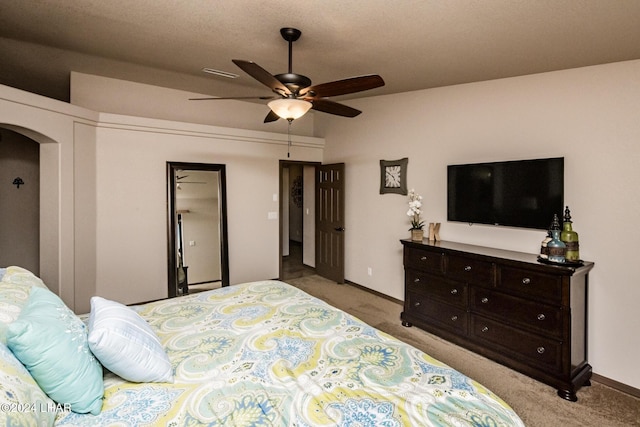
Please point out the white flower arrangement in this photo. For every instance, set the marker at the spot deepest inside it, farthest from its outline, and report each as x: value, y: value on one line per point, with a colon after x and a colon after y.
x: 415, y: 203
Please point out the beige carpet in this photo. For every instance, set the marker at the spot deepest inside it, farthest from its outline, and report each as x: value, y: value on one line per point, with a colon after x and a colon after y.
x: 537, y: 404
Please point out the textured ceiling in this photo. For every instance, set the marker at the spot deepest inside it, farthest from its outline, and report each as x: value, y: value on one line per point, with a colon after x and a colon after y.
x: 411, y: 44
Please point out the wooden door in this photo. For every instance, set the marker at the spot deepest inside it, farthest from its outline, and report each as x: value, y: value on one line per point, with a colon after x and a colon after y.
x: 330, y: 222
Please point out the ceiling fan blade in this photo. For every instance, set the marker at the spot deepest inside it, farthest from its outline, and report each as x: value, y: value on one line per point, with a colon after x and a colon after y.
x: 343, y: 87
x: 232, y: 97
x: 271, y: 117
x: 263, y: 76
x: 331, y: 107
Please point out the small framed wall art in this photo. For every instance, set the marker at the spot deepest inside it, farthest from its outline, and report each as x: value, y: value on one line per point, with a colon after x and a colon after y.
x: 393, y: 176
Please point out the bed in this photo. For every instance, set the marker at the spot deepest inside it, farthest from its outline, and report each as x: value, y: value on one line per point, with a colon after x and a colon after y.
x: 254, y: 354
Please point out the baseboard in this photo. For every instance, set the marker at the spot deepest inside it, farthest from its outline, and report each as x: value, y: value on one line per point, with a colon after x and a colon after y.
x: 616, y: 385
x: 380, y: 294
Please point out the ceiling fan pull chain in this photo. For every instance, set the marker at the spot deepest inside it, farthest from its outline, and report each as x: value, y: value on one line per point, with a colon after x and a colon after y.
x: 289, y: 137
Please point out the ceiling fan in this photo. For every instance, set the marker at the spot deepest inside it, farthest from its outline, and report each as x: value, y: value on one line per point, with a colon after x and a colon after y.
x: 295, y: 94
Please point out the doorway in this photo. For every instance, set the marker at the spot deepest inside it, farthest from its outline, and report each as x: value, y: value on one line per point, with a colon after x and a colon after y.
x: 20, y: 193
x: 297, y: 219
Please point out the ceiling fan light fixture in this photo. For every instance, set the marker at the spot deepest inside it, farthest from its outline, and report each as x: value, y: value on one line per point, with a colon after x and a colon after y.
x: 289, y: 108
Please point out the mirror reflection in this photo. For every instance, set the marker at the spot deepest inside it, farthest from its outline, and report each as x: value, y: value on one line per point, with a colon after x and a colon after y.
x: 197, y: 226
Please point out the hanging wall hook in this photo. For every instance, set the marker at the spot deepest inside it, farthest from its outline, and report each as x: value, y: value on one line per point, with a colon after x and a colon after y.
x: 18, y: 182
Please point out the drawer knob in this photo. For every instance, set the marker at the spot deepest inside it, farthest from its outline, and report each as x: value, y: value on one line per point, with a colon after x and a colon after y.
x: 541, y: 350
x: 454, y: 291
x: 484, y: 300
x: 526, y: 281
x: 454, y: 318
x: 424, y: 258
x: 485, y: 329
x: 416, y: 304
x: 416, y: 280
x: 467, y: 268
x: 541, y: 316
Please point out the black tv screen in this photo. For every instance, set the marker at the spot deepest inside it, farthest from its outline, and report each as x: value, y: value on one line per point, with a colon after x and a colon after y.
x: 521, y: 193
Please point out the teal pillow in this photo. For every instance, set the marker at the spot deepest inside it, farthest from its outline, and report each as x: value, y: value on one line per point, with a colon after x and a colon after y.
x: 125, y: 344
x: 51, y: 342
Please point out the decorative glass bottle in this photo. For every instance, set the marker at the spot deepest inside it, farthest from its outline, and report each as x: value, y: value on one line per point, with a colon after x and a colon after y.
x: 556, y: 247
x: 544, y: 248
x: 570, y: 238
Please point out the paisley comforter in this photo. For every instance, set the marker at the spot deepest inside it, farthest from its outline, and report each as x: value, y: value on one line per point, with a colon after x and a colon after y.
x: 267, y: 354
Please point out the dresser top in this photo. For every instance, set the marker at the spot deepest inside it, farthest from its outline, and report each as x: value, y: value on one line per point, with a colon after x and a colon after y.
x: 489, y: 252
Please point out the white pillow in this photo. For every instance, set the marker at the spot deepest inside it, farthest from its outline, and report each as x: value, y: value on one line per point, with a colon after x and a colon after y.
x: 125, y: 344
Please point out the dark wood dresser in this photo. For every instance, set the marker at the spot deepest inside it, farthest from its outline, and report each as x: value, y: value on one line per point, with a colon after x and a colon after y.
x: 504, y: 305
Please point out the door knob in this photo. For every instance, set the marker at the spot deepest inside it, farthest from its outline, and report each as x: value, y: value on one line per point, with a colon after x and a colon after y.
x: 339, y: 228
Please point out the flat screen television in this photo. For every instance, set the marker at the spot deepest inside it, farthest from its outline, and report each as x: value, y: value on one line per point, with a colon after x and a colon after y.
x: 521, y: 193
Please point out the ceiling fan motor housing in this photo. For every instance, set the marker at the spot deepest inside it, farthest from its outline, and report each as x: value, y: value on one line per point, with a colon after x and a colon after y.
x: 293, y: 81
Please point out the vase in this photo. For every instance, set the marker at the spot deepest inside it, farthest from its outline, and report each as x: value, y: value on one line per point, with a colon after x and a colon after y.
x: 417, y: 235
x: 434, y: 231
x: 570, y: 238
x: 557, y: 248
x: 544, y: 246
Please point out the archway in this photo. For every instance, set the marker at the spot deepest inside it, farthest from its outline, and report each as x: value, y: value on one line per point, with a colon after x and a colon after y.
x: 49, y: 240
x: 20, y: 193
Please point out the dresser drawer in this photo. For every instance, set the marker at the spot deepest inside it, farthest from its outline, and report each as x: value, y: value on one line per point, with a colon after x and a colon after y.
x: 545, y: 353
x: 470, y: 270
x: 443, y: 315
x: 423, y: 260
x: 543, y: 318
x: 437, y: 288
x: 529, y: 283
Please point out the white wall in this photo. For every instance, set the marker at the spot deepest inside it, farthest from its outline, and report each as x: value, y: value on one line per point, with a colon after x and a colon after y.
x: 103, y: 195
x: 131, y: 189
x: 588, y: 115
x: 60, y: 129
